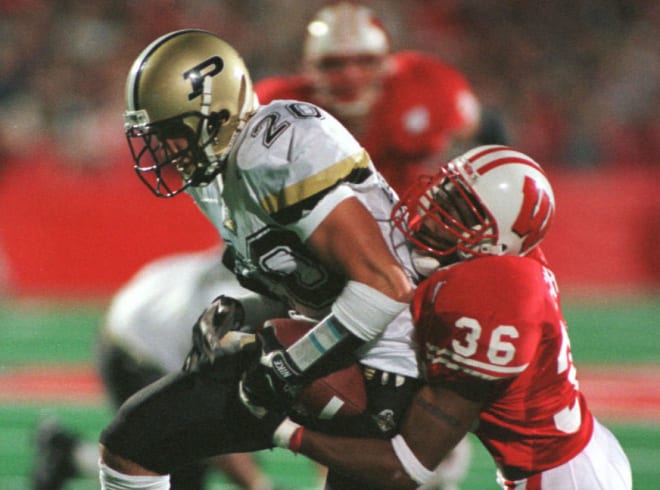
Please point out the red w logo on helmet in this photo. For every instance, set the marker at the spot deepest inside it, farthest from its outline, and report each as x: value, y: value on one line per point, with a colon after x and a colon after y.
x: 535, y: 215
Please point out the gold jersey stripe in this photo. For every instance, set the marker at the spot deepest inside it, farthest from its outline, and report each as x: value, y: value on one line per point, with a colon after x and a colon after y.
x: 314, y: 184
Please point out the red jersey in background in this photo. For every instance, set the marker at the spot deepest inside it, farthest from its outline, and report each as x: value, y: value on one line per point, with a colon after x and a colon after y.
x: 423, y: 104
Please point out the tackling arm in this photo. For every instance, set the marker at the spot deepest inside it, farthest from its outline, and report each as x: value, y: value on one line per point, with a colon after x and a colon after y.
x: 436, y: 421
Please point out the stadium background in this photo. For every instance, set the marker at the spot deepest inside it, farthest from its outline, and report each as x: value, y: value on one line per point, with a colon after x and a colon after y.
x: 576, y: 82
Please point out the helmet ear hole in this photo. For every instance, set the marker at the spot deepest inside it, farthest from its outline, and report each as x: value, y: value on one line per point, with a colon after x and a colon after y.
x: 173, y: 128
x: 216, y: 120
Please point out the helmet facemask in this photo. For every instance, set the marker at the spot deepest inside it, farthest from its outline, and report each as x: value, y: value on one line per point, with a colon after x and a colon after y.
x: 171, y: 156
x: 443, y: 220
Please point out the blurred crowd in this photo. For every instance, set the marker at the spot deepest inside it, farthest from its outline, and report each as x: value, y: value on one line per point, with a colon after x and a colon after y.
x: 576, y: 81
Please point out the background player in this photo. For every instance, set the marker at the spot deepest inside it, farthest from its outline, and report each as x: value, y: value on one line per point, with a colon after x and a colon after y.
x: 146, y: 333
x: 493, y: 339
x: 404, y: 107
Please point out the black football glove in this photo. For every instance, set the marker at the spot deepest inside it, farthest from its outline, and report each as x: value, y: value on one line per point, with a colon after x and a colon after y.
x: 218, y: 331
x: 275, y: 382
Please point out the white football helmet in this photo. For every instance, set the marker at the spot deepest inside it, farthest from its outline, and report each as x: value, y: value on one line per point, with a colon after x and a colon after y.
x: 492, y: 200
x: 344, y: 29
x: 338, y: 33
x: 187, y: 95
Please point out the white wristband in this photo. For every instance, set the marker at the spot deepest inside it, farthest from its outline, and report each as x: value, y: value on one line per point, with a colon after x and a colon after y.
x: 283, y: 433
x: 416, y: 470
x: 365, y: 311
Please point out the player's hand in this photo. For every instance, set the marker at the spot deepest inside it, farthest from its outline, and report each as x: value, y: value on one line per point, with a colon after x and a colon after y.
x: 274, y: 383
x: 217, y: 332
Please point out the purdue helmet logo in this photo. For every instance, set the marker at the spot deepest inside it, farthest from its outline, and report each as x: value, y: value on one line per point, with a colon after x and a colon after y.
x: 196, y: 75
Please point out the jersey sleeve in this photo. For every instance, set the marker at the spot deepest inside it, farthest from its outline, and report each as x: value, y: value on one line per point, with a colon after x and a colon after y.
x: 479, y: 319
x: 455, y: 99
x: 425, y: 104
x: 306, y: 165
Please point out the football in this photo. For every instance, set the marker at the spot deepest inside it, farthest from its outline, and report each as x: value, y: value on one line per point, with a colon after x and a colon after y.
x: 338, y: 395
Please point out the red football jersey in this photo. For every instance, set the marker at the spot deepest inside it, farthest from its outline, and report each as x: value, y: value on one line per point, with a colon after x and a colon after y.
x: 424, y: 102
x: 498, y: 319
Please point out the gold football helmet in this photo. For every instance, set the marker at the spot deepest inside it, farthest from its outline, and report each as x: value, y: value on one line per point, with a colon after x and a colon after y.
x: 187, y: 95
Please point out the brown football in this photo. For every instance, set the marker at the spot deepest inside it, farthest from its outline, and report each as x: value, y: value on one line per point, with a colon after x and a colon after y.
x: 337, y: 395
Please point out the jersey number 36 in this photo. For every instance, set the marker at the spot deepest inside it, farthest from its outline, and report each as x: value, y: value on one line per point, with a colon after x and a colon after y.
x: 501, y: 351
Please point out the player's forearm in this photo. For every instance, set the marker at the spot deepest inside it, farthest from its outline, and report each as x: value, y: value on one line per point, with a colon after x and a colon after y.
x: 350, y: 241
x: 369, y: 459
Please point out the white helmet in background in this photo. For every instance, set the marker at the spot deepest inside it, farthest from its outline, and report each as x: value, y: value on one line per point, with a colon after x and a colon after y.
x: 492, y: 200
x: 344, y: 29
x: 337, y: 36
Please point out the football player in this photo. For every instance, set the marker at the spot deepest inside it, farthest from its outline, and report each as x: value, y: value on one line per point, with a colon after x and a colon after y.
x: 407, y: 108
x: 404, y: 107
x: 304, y: 216
x: 145, y: 334
x: 494, y: 344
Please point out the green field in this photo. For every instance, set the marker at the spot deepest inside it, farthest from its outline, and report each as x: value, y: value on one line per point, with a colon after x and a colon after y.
x: 44, y: 334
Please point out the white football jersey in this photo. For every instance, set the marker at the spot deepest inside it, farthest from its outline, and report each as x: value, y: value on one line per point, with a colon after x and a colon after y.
x: 153, y: 314
x: 290, y: 167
